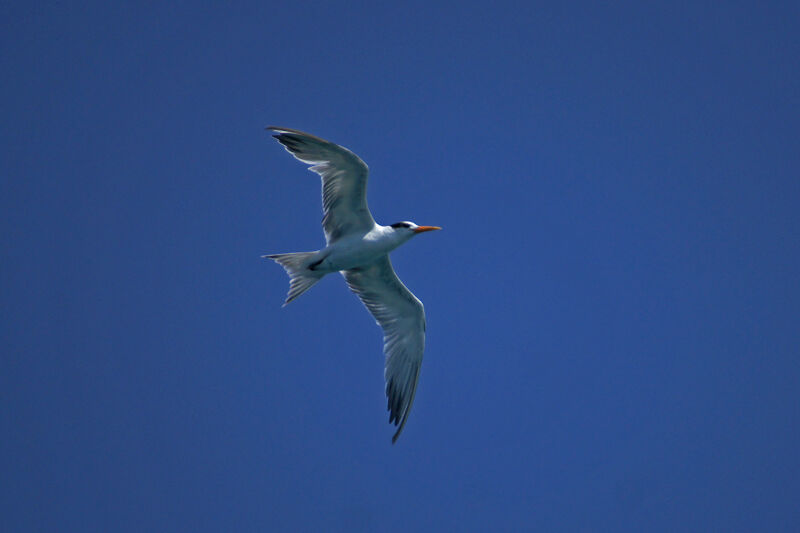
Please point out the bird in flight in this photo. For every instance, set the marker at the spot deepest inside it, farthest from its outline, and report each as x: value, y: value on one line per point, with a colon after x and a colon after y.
x: 358, y: 248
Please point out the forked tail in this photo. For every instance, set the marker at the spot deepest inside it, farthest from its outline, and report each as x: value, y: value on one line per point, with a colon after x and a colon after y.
x: 301, y: 278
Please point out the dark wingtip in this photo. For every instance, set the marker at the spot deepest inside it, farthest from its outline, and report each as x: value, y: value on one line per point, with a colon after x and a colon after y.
x: 297, y: 133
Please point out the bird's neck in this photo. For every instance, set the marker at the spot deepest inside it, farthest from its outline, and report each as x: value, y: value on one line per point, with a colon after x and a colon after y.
x: 390, y: 237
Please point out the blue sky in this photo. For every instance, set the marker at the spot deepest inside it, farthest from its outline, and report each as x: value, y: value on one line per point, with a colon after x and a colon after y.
x: 612, y: 306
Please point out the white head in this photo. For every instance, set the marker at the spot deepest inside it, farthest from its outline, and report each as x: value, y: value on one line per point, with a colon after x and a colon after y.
x: 407, y: 229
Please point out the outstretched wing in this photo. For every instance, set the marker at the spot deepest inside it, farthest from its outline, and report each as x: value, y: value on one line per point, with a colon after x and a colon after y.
x: 402, y: 317
x: 344, y: 181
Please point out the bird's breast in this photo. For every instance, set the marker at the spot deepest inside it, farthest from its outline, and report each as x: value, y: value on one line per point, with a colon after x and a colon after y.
x: 355, y: 252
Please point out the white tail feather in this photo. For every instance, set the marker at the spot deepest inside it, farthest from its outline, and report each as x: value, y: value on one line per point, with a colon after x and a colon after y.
x: 301, y: 278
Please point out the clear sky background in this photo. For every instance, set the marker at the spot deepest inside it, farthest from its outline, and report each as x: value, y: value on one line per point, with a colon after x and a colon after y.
x: 613, y: 304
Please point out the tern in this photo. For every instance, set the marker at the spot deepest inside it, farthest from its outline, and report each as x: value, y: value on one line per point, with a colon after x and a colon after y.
x: 358, y: 248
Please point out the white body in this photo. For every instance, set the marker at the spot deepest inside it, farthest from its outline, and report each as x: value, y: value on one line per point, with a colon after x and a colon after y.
x: 359, y: 249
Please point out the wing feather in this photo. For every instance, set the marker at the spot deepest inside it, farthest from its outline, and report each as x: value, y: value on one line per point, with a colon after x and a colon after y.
x: 344, y: 181
x: 402, y: 317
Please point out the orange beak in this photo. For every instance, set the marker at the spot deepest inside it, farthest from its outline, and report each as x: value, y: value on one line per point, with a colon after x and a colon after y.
x: 423, y: 229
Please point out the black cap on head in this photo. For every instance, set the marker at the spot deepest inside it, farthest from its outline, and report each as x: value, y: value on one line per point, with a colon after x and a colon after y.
x: 402, y: 225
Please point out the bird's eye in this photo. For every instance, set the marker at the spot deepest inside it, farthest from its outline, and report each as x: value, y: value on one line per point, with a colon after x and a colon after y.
x: 401, y: 225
